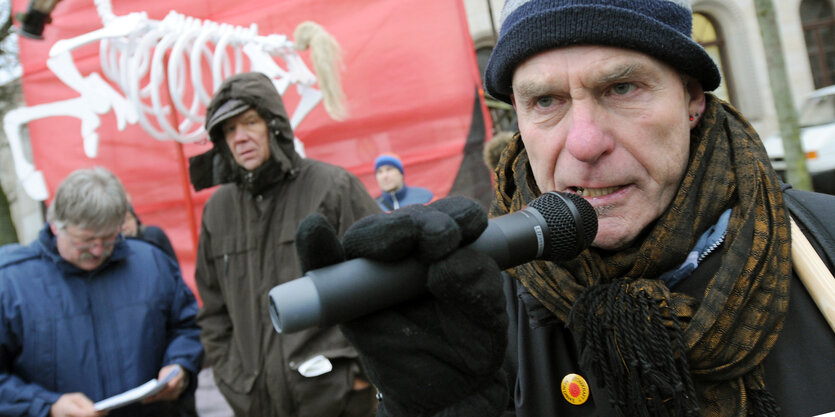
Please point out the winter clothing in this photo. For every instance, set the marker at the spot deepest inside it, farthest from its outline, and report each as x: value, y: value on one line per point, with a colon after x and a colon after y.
x: 433, y: 353
x: 247, y: 247
x: 157, y: 237
x: 153, y: 235
x: 228, y: 109
x: 543, y: 352
x: 100, y: 332
x: 660, y: 28
x: 388, y: 160
x: 404, y: 197
x: 644, y: 330
x: 792, y: 370
x: 739, y: 354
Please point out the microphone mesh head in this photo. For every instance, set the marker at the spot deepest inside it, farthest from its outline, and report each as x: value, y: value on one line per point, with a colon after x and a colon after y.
x: 572, y: 224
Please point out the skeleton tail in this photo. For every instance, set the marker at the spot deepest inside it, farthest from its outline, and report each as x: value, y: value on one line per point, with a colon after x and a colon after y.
x: 327, y: 61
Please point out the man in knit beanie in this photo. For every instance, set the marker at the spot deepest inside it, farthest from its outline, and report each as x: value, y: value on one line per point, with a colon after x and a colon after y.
x: 388, y: 169
x: 686, y: 303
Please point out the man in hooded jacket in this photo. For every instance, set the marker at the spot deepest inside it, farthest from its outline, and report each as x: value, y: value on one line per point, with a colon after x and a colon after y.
x: 247, y: 247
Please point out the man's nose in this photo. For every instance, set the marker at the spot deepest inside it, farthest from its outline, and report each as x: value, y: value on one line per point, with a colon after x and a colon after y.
x: 587, y: 139
x: 97, y: 248
x: 240, y: 133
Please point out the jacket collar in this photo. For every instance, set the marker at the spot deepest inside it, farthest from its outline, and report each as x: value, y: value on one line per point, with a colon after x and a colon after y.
x: 399, y: 195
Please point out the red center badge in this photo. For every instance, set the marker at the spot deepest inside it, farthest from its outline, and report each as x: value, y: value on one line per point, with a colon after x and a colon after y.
x: 575, y: 389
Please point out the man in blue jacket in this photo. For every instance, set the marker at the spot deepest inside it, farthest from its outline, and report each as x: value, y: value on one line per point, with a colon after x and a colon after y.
x: 86, y: 315
x: 389, y: 173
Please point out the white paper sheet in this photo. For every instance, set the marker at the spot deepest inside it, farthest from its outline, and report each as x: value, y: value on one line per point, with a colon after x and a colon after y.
x: 136, y: 394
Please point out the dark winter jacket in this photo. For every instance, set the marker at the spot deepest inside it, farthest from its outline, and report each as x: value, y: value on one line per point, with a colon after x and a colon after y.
x: 101, y: 332
x: 799, y: 371
x: 247, y: 247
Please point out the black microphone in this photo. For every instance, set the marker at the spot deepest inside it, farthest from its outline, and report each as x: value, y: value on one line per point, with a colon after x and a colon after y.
x: 554, y: 226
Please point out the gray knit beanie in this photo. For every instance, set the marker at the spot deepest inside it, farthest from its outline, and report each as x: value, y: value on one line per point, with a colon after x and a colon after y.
x: 660, y: 28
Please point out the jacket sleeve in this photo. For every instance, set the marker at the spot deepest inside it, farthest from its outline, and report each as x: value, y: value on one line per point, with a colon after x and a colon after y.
x: 184, y: 347
x: 17, y: 397
x: 213, y: 318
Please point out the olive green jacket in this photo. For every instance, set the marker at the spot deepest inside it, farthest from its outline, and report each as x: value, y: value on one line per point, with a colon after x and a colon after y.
x: 247, y: 247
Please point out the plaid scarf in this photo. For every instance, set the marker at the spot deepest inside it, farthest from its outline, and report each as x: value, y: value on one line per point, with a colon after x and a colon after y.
x: 659, y: 352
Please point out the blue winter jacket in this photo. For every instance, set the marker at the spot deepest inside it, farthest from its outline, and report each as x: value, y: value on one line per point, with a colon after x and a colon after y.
x: 98, y: 332
x: 404, y: 197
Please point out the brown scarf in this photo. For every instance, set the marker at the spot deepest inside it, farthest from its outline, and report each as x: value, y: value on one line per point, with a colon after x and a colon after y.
x: 605, y: 295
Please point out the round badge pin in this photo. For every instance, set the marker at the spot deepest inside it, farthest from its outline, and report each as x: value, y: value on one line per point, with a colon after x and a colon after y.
x: 575, y: 389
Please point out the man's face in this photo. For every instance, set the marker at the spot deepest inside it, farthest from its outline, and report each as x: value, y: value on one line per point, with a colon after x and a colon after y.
x: 247, y: 137
x: 389, y: 178
x: 84, y: 248
x: 611, y: 125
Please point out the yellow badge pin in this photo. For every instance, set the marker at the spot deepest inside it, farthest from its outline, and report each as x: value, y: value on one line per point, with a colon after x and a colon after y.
x: 575, y: 389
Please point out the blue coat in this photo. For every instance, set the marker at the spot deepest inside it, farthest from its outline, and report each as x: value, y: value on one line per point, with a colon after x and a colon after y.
x: 404, y: 197
x: 100, y: 332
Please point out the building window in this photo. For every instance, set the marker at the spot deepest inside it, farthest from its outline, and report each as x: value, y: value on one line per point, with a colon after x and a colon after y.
x: 707, y: 34
x: 819, y: 32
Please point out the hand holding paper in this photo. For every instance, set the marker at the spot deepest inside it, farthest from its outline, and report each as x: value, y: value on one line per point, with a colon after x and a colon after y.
x: 175, y: 381
x: 74, y: 404
x: 170, y: 384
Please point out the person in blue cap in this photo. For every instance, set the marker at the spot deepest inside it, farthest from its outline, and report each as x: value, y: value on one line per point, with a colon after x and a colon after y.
x: 389, y: 172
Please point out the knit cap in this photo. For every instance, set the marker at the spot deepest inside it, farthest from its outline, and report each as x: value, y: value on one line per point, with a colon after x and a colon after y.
x: 659, y: 28
x: 388, y: 160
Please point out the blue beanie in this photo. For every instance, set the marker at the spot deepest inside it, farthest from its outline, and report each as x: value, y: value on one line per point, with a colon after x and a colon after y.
x: 659, y: 28
x: 388, y: 160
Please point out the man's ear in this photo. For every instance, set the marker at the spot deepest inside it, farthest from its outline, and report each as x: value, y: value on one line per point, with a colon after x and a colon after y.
x: 697, y: 102
x: 54, y: 229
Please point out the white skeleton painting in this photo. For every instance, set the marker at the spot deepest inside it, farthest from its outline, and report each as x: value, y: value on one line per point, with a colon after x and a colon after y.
x: 133, y: 49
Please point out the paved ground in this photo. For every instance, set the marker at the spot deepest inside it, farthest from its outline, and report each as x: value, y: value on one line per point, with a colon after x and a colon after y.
x: 208, y: 400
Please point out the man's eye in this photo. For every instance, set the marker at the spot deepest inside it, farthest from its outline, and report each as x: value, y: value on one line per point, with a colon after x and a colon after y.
x: 623, y: 88
x: 546, y: 101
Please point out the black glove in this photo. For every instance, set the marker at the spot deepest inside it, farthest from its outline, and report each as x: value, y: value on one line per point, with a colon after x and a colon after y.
x: 440, y: 353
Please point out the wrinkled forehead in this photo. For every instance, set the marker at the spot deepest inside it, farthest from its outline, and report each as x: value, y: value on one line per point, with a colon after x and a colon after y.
x: 592, y: 64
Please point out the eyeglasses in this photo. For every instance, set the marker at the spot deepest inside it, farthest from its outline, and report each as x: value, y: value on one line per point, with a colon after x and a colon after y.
x: 91, y: 243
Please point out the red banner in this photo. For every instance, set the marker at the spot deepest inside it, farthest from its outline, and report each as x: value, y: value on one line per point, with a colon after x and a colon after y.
x: 409, y: 76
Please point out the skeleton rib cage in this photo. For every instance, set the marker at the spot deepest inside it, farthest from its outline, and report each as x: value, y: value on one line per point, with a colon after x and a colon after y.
x: 155, y: 62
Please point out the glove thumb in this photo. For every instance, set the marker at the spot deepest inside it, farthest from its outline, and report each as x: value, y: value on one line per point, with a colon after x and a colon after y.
x: 317, y: 245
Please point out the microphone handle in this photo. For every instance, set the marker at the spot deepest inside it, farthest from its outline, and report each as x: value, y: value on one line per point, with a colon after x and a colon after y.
x: 348, y: 290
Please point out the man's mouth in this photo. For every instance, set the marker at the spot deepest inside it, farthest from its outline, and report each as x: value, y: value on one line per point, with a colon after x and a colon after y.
x: 594, y: 192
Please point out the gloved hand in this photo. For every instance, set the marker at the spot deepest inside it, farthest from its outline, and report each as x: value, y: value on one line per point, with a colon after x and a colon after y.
x: 440, y: 353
